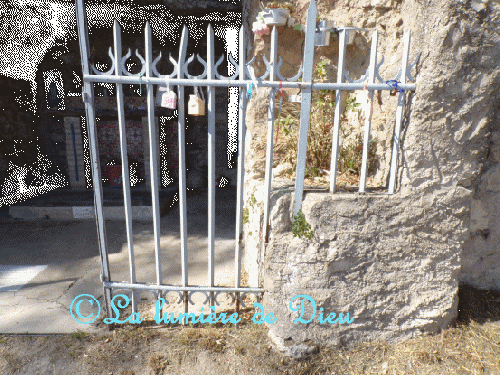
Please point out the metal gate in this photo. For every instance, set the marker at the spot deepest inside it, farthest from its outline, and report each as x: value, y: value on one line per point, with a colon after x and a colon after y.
x: 244, y: 78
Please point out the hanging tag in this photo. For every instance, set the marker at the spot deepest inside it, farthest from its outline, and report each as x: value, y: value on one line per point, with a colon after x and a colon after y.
x: 169, y: 100
x: 196, y: 105
x: 159, y: 95
x: 166, y: 98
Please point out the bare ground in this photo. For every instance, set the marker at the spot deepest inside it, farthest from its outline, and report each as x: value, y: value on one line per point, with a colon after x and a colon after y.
x: 471, y: 346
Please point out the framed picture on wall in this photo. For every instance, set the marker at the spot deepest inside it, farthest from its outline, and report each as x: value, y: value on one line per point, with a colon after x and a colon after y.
x: 54, y: 89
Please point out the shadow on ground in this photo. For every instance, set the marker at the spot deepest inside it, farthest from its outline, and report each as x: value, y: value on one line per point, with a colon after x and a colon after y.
x: 478, y: 306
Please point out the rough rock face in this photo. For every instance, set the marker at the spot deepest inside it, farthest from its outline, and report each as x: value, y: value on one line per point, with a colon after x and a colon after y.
x: 374, y: 257
x: 481, y: 255
x: 452, y: 141
x: 395, y: 262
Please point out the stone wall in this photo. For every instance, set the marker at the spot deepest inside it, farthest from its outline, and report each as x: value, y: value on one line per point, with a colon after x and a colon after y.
x: 395, y: 262
x: 481, y: 255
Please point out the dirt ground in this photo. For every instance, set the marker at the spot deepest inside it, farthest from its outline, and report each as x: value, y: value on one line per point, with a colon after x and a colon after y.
x: 470, y: 346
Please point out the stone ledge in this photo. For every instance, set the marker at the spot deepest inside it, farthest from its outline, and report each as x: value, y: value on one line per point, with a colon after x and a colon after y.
x: 139, y: 213
x: 34, y: 209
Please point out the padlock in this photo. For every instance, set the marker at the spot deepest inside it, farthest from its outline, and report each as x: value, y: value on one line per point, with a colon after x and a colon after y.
x: 196, y: 106
x: 169, y: 100
x: 166, y: 98
x: 159, y: 95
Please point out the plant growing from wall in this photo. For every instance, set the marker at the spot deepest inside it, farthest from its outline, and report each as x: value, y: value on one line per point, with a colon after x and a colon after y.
x: 300, y: 227
x: 350, y: 155
x: 320, y: 134
x: 351, y: 104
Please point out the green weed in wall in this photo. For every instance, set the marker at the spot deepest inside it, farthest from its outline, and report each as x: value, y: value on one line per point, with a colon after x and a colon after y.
x: 301, y: 227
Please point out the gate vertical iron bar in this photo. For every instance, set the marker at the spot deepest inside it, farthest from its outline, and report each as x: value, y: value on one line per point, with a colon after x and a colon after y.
x: 88, y: 96
x: 368, y: 120
x: 211, y: 160
x: 344, y: 33
x: 153, y: 151
x: 270, y: 132
x: 182, y: 165
x: 123, y: 150
x: 241, y: 165
x: 399, y: 114
x: 305, y: 107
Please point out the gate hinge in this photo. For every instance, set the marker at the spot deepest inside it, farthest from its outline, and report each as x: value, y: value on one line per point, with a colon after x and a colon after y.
x: 85, y: 96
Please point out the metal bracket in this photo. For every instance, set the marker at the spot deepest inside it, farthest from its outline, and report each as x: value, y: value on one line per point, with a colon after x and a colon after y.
x: 85, y: 96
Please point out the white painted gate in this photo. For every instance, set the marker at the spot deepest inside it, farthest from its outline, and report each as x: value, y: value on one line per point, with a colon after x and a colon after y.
x: 244, y: 78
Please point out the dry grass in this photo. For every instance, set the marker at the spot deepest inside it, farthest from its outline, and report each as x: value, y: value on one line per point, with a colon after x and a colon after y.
x: 319, y: 144
x: 471, y: 346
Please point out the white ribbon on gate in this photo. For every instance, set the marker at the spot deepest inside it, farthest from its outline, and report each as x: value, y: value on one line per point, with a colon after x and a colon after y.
x: 197, y: 92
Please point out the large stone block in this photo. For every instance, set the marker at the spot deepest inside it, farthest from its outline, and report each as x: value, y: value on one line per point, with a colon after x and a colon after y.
x: 373, y: 258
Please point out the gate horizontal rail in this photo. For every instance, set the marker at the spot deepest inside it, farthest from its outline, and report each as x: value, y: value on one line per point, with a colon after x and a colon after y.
x: 244, y: 72
x: 245, y: 83
x: 139, y: 286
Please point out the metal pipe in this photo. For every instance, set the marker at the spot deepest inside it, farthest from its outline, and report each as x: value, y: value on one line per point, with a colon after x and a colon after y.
x: 399, y: 113
x: 88, y: 96
x: 242, y: 100
x: 343, y: 35
x: 305, y: 107
x: 270, y: 131
x: 369, y: 113
x: 187, y: 289
x: 182, y: 165
x: 244, y: 83
x: 123, y: 151
x: 153, y: 151
x: 211, y: 159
